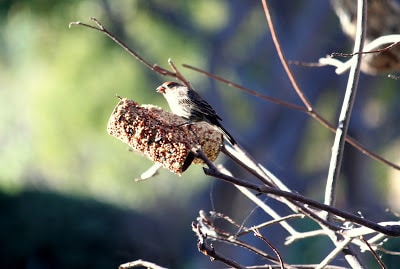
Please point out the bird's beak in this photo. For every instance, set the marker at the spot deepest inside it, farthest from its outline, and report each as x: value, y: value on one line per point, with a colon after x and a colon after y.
x: 161, y: 89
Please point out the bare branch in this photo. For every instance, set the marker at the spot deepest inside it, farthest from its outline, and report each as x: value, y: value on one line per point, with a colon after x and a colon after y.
x: 339, y: 248
x: 379, y: 260
x: 207, y: 250
x: 154, y: 67
x: 282, y: 58
x: 392, y: 230
x: 345, y: 114
x: 247, y: 90
x: 274, y: 249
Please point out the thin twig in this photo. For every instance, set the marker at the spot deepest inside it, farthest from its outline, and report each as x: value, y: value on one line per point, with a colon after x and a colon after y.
x: 207, y: 229
x: 102, y: 29
x: 303, y: 235
x: 247, y: 90
x: 379, y: 260
x: 164, y: 72
x: 274, y: 249
x: 389, y: 252
x: 371, y: 47
x: 269, y: 223
x: 207, y: 250
x: 179, y: 74
x: 267, y: 209
x: 339, y: 54
x: 282, y: 58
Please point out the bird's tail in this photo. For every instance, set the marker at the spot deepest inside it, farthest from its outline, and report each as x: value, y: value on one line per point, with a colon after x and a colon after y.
x: 227, y: 135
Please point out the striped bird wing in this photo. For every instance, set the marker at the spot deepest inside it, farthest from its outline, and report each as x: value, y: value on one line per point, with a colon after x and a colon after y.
x: 199, y: 107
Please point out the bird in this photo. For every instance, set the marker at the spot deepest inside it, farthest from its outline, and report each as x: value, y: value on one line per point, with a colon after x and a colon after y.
x: 189, y: 105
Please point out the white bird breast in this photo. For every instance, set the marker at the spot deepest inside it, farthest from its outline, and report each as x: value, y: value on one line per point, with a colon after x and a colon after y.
x: 175, y: 106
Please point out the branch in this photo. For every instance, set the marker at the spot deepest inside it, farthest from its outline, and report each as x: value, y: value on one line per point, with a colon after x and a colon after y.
x: 348, y: 102
x: 207, y: 250
x: 164, y: 72
x: 390, y: 230
x: 274, y: 249
x: 339, y: 248
x: 282, y: 58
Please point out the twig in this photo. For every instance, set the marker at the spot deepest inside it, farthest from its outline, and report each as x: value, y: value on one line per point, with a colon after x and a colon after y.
x: 371, y: 47
x: 274, y: 249
x: 178, y: 74
x: 361, y: 231
x: 207, y: 250
x: 102, y: 29
x: 99, y: 27
x: 389, y: 252
x: 247, y: 90
x: 245, y: 230
x: 282, y: 58
x: 269, y: 223
x: 345, y: 114
x: 302, y: 235
x: 269, y: 211
x: 374, y: 44
x: 208, y: 229
x: 379, y: 260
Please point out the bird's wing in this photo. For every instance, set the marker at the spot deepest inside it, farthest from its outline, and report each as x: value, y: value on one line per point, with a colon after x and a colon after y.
x: 201, y: 107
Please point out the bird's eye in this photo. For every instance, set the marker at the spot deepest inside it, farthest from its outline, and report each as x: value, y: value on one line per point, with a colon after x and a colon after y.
x: 171, y: 84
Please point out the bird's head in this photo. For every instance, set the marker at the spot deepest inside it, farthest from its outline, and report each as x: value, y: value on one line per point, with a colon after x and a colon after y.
x: 168, y: 87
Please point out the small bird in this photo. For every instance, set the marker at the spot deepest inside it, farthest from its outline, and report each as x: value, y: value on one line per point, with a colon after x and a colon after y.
x: 189, y: 105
